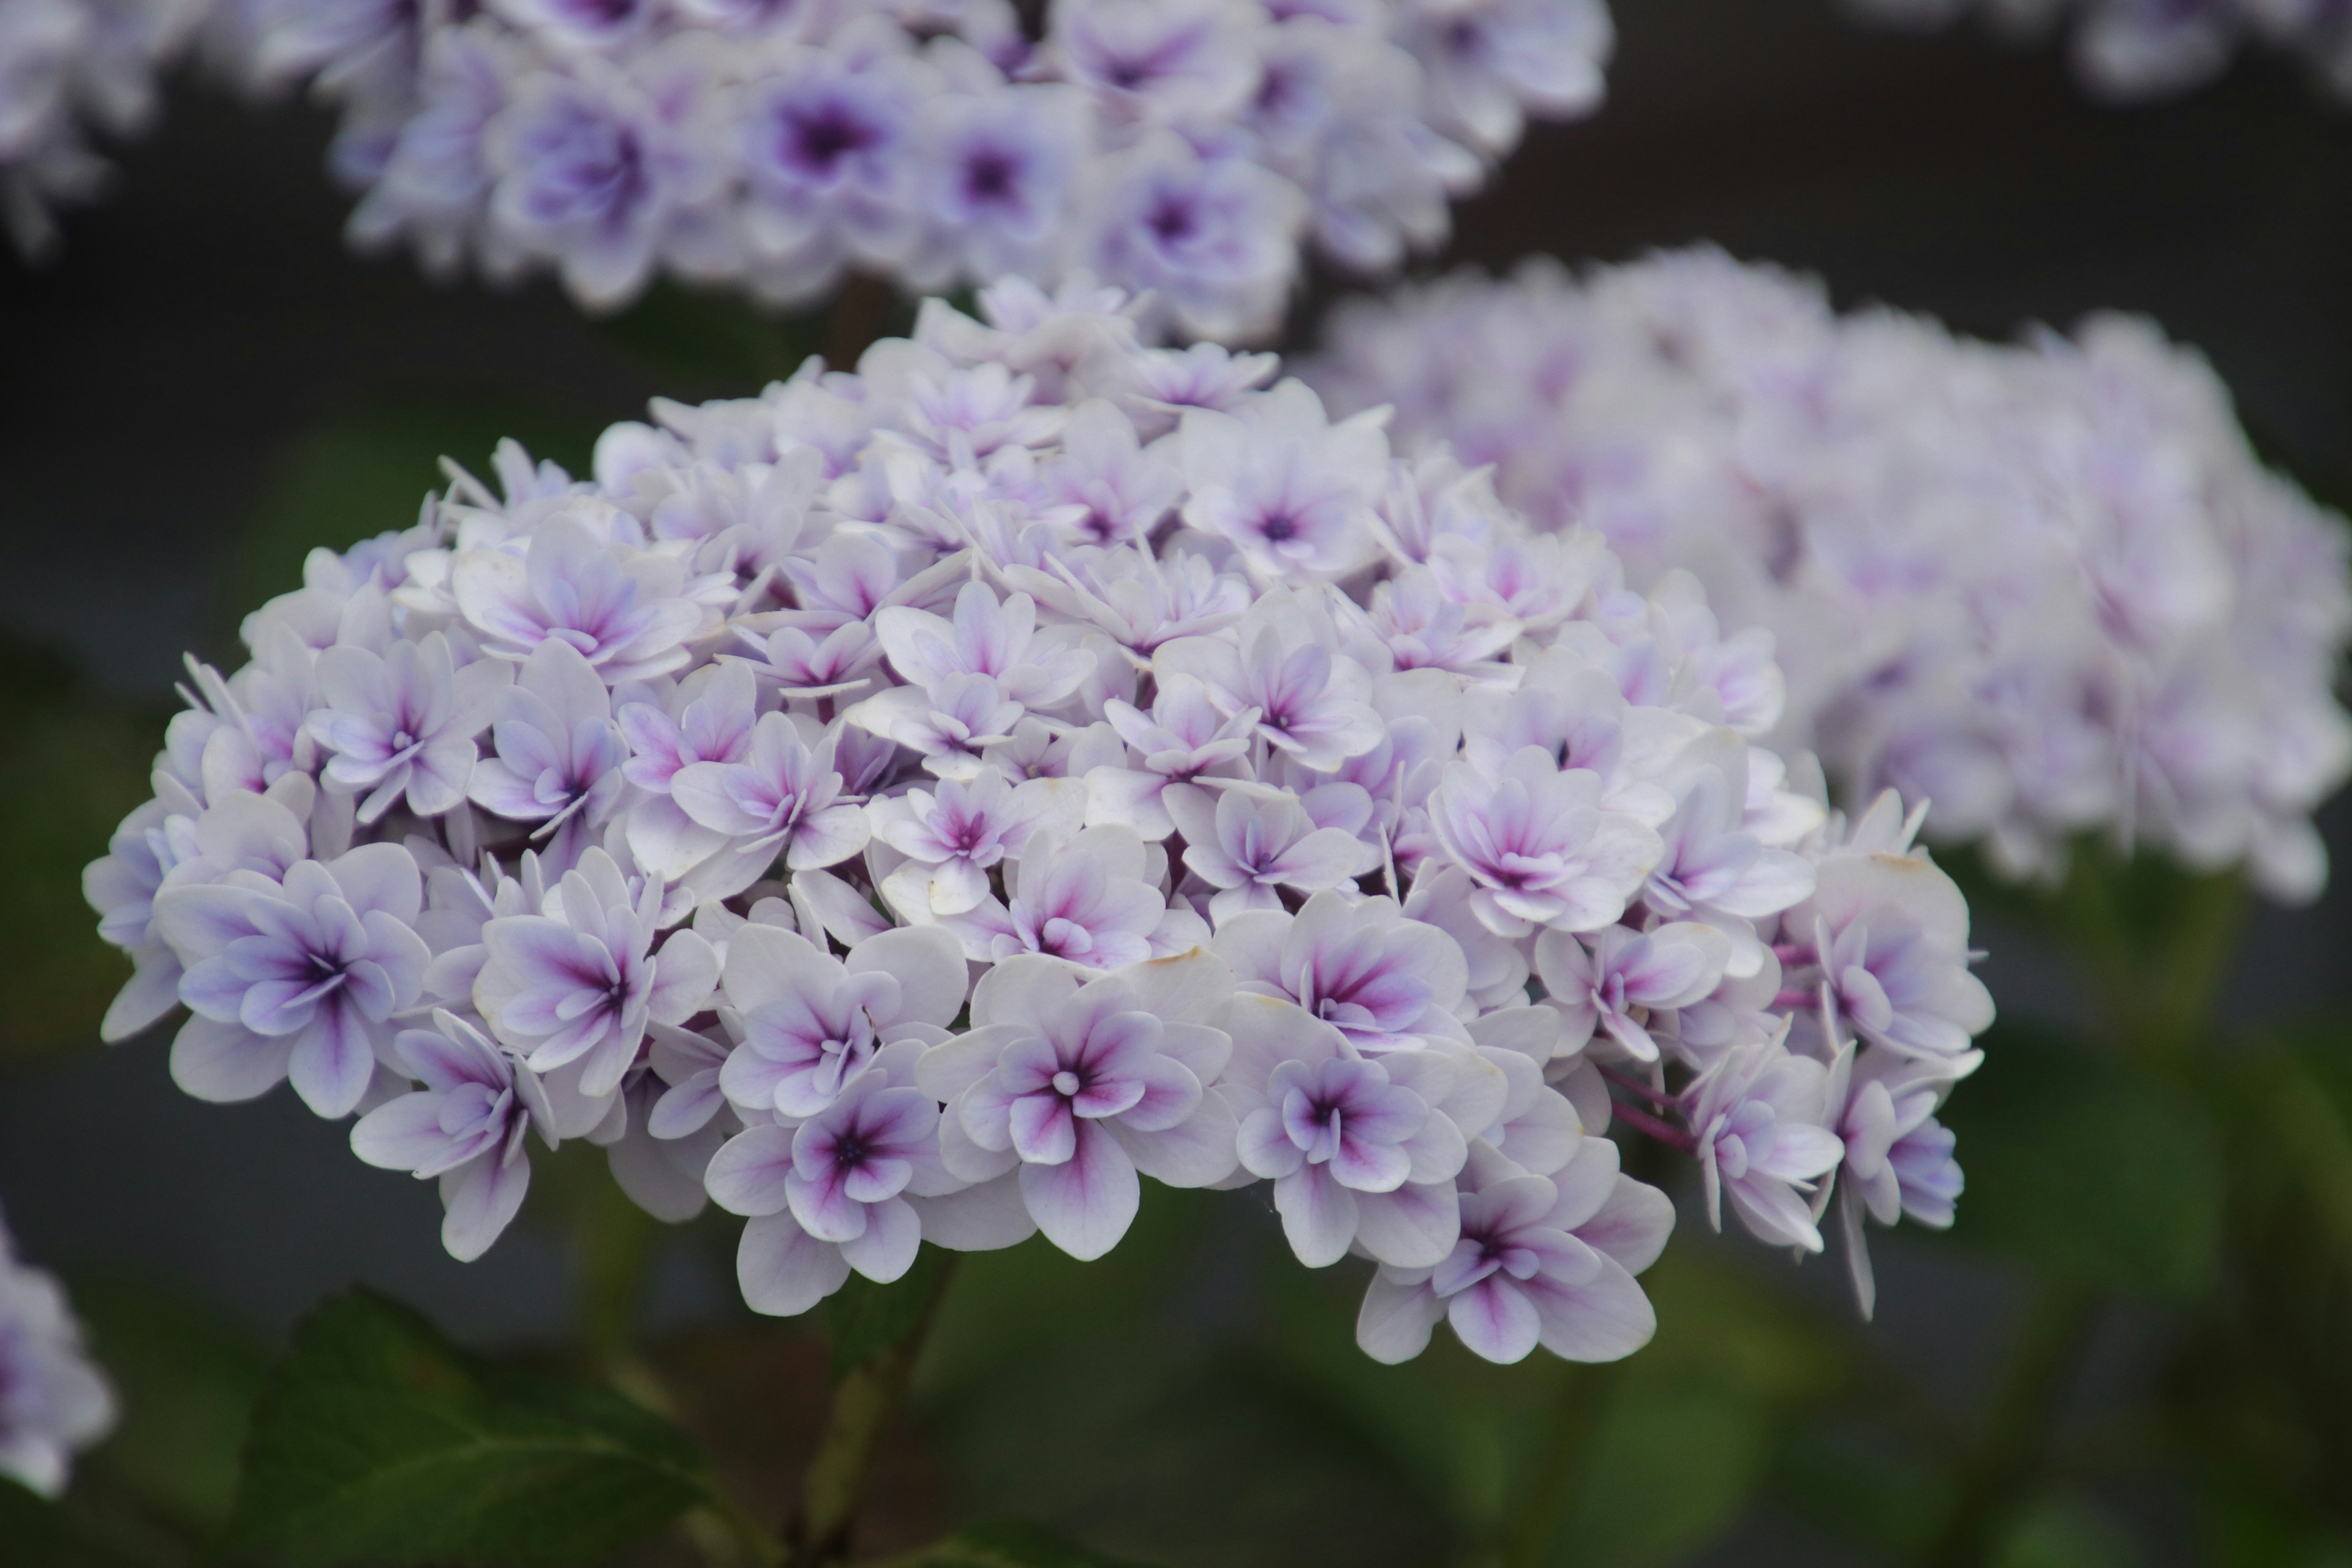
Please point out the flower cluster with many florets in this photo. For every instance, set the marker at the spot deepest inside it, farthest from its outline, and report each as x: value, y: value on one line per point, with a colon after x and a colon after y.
x: 2127, y: 50
x: 918, y: 805
x: 1181, y: 146
x: 54, y: 1402
x: 2047, y: 585
x: 63, y: 62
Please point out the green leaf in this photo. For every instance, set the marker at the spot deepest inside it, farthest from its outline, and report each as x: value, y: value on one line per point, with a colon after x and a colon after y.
x: 1671, y: 1469
x: 863, y: 1318
x: 2065, y: 1532
x: 377, y: 1440
x: 87, y: 1529
x: 1008, y: 1543
x: 2251, y: 1524
x: 2089, y: 1169
x: 187, y: 1385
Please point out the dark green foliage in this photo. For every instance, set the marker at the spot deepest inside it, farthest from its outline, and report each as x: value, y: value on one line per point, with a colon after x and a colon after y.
x: 377, y: 1440
x: 186, y: 1385
x: 1008, y: 1543
x: 2088, y: 1169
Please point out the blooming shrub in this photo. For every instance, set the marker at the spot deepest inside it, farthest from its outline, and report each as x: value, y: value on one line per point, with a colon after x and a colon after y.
x: 53, y: 1401
x: 915, y: 805
x: 62, y: 61
x: 1182, y: 146
x: 2047, y: 586
x: 2131, y: 50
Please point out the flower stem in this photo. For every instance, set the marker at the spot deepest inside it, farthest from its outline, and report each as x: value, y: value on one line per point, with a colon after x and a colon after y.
x: 1583, y: 1402
x: 860, y: 313
x: 1643, y: 1121
x: 1633, y: 1084
x: 826, y: 1517
x: 2006, y: 1461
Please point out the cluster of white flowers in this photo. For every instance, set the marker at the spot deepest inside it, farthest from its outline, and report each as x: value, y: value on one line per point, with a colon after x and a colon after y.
x: 913, y: 805
x: 2047, y: 586
x: 1181, y: 146
x: 54, y: 1402
x: 62, y: 61
x: 2133, y: 49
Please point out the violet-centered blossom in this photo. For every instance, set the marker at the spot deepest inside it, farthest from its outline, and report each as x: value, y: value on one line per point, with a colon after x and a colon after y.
x: 1539, y: 845
x: 1082, y: 898
x: 831, y: 1194
x: 953, y: 838
x: 297, y: 979
x: 1890, y: 937
x: 400, y: 725
x: 627, y: 617
x: 1758, y: 1118
x: 1545, y: 1260
x: 1311, y: 702
x: 1384, y: 982
x: 1359, y: 1155
x: 784, y: 799
x: 558, y: 754
x: 1213, y: 239
x: 1081, y: 1084
x: 578, y: 984
x: 1185, y: 737
x: 806, y: 1023
x: 1289, y: 490
x: 1613, y: 980
x: 1248, y: 844
x: 465, y: 1126
x: 1899, y: 1161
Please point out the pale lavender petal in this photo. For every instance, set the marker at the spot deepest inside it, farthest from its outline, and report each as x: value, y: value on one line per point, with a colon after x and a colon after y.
x: 784, y: 1270
x: 1085, y: 1203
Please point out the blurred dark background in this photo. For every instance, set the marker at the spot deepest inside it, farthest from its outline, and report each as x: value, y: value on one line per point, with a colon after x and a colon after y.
x: 207, y: 381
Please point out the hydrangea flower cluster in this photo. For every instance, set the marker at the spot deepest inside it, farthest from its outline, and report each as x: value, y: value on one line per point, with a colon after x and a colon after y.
x: 1181, y: 146
x: 2048, y: 586
x: 62, y: 62
x: 917, y: 805
x: 54, y: 1402
x: 2135, y: 49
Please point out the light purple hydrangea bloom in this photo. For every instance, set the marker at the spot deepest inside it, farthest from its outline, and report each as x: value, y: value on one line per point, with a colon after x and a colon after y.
x: 54, y: 1400
x: 2127, y: 51
x: 1115, y: 841
x: 1188, y: 150
x: 63, y: 62
x: 295, y: 979
x: 2046, y: 586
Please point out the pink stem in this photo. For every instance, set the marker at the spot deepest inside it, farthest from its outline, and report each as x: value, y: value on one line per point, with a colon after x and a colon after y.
x: 1635, y: 1086
x: 1643, y: 1121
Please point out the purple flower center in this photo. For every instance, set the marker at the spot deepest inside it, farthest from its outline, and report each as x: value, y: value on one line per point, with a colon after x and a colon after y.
x: 818, y: 139
x: 989, y: 176
x: 1173, y: 220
